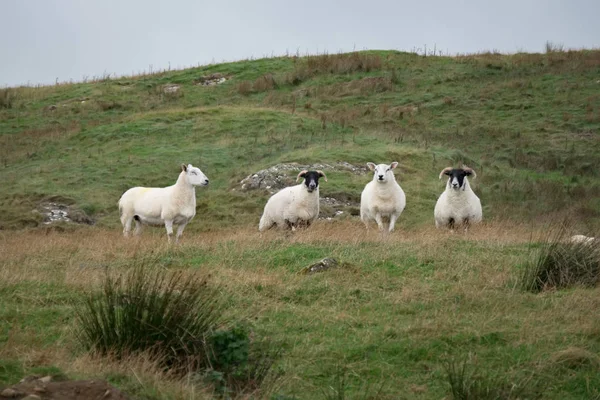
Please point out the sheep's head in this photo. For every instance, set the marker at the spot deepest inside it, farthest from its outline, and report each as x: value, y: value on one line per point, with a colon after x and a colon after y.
x: 194, y: 175
x: 311, y: 179
x: 383, y: 173
x: 456, y: 176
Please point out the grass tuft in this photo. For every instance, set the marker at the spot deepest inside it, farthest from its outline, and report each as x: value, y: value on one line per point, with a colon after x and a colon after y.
x: 466, y: 384
x: 561, y: 263
x: 168, y: 314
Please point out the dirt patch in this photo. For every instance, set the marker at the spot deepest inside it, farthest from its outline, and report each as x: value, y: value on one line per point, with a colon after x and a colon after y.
x: 35, y: 388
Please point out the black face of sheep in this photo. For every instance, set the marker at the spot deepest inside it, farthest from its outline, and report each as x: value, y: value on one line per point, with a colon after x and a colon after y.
x: 457, y: 176
x: 311, y: 179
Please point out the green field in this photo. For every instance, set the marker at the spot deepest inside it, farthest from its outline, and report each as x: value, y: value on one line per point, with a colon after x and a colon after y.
x: 405, y: 306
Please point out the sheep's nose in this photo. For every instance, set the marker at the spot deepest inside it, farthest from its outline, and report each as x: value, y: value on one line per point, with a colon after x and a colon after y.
x: 381, y: 177
x: 206, y: 181
x: 455, y: 185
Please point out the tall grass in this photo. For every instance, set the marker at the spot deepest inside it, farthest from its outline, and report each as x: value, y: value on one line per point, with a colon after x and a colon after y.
x: 467, y: 384
x: 169, y: 314
x: 561, y: 263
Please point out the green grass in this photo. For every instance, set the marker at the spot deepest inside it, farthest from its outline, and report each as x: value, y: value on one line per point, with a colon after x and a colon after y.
x: 402, y: 308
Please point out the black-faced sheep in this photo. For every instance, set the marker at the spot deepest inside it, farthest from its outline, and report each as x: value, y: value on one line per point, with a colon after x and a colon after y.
x: 294, y: 206
x: 458, y: 204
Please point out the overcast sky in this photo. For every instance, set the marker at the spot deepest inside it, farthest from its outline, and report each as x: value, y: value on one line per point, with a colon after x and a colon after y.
x: 42, y: 40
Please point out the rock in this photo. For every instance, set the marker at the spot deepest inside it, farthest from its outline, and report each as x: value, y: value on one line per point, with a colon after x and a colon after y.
x: 211, y: 80
x: 279, y: 176
x: 171, y: 88
x: 52, y: 107
x: 323, y: 265
x: 54, y: 212
x: 9, y: 393
x: 45, y: 379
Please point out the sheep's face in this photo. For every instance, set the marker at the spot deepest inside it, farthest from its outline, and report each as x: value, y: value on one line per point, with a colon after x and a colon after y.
x: 456, y: 177
x: 311, y: 179
x: 194, y: 175
x: 383, y: 173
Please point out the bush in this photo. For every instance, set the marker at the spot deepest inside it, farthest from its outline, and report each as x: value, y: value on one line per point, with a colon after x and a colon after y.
x: 165, y: 313
x: 240, y: 366
x: 229, y: 348
x: 560, y: 264
x: 7, y: 97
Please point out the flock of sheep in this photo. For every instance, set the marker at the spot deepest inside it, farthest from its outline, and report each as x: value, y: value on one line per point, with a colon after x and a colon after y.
x: 382, y: 201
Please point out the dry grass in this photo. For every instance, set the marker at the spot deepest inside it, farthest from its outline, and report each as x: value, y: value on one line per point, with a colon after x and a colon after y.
x: 555, y: 58
x: 462, y: 284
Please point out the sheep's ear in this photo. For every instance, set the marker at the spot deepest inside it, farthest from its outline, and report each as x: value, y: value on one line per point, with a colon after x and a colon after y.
x: 394, y: 164
x: 183, y: 167
x: 371, y: 166
x: 322, y: 175
x: 301, y: 175
x: 446, y: 171
x: 470, y: 172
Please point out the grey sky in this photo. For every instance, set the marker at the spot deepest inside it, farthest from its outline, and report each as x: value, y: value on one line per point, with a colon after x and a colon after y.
x: 43, y: 40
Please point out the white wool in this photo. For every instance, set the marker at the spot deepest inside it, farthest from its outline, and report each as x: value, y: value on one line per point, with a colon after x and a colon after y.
x: 460, y: 205
x: 382, y: 199
x: 170, y: 205
x: 577, y: 239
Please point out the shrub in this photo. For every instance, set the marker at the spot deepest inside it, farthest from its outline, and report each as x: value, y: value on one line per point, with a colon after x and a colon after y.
x: 165, y: 313
x: 239, y: 366
x: 7, y: 97
x: 244, y: 88
x: 229, y: 348
x: 560, y: 264
x: 264, y: 83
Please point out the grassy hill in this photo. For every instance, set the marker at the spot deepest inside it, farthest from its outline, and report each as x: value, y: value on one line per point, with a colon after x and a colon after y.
x: 529, y: 124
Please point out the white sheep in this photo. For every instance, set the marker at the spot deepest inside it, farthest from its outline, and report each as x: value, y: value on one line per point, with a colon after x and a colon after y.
x: 382, y: 198
x: 458, y: 204
x: 294, y: 206
x: 582, y: 239
x: 170, y: 205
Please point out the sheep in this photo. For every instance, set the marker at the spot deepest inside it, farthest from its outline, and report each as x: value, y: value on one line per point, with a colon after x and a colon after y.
x: 294, y: 206
x: 458, y: 204
x: 170, y: 205
x: 382, y: 198
x: 582, y: 239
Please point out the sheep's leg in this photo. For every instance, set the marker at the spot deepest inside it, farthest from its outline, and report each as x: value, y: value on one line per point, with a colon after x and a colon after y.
x: 126, y: 225
x: 364, y: 220
x: 379, y: 221
x: 467, y: 224
x: 169, y: 226
x: 393, y: 219
x: 179, y: 232
x: 138, y: 228
x: 451, y: 225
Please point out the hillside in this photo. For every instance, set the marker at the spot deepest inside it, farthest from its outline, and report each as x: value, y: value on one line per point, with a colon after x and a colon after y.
x: 404, y: 309
x: 527, y: 123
